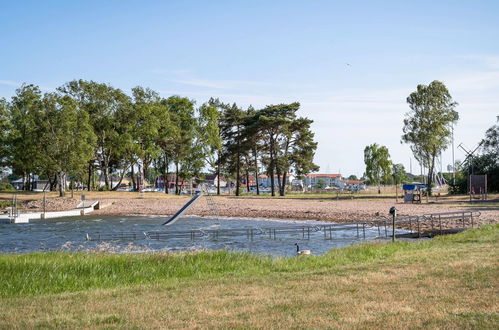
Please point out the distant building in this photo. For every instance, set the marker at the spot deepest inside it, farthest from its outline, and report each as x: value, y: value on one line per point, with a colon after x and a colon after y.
x: 35, y: 185
x: 183, y: 183
x: 330, y: 180
x: 266, y: 182
x: 212, y: 179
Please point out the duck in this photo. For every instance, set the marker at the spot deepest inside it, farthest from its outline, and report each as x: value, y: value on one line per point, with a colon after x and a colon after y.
x: 298, y: 251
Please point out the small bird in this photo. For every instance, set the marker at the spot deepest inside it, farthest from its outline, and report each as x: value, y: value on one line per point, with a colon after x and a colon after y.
x: 298, y: 251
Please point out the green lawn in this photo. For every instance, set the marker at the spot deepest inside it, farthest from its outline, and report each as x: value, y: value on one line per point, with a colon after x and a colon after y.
x: 448, y: 282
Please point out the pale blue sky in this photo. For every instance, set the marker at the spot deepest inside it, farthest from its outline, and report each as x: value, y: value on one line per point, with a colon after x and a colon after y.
x: 267, y: 52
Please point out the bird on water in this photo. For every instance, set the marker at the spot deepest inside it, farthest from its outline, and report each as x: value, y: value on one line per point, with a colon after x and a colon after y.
x: 298, y: 251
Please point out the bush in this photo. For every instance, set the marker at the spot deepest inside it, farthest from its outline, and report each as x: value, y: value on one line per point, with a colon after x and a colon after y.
x: 5, y: 186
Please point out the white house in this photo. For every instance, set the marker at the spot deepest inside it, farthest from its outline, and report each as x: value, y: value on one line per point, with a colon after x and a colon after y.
x: 330, y: 180
x: 265, y: 182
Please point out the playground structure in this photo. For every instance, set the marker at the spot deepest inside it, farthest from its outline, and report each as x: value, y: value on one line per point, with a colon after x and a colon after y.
x: 413, y: 192
x: 209, y: 199
x: 477, y: 186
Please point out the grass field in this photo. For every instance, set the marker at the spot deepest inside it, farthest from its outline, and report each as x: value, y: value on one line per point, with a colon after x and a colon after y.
x: 448, y: 282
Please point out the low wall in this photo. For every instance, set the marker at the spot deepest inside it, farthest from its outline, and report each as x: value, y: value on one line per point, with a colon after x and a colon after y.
x: 26, y: 217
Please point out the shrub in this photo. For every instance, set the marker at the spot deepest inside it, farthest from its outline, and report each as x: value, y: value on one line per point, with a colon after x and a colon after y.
x: 5, y: 186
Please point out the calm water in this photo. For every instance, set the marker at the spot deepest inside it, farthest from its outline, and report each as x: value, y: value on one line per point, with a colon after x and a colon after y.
x: 69, y: 234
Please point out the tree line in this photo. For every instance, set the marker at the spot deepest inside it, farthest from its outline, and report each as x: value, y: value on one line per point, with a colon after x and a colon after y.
x: 85, y: 127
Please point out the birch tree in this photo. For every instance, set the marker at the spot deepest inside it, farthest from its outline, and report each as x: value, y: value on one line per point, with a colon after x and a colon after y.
x: 427, y: 125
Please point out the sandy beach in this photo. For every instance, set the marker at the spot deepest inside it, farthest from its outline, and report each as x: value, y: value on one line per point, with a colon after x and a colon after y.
x: 323, y: 209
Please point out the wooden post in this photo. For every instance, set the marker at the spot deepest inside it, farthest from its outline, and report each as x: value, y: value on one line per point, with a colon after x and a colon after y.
x: 396, y: 194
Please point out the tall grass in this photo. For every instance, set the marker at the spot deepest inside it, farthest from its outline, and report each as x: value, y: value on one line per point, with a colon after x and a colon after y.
x: 56, y: 272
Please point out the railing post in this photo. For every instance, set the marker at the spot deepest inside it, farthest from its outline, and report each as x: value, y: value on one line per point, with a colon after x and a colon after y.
x: 393, y: 228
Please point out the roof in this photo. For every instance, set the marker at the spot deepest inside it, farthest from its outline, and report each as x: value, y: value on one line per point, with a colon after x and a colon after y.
x: 324, y: 176
x: 264, y: 176
x: 354, y: 182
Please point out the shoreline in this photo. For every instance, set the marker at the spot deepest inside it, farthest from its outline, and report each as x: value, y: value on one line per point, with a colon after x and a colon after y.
x: 293, y: 209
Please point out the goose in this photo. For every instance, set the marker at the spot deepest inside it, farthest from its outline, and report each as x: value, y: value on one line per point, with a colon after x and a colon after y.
x: 298, y: 251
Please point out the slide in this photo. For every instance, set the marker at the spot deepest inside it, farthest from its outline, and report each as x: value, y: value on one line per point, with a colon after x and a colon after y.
x: 183, y: 209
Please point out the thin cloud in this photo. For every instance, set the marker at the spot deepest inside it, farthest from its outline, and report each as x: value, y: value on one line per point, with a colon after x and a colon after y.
x: 10, y: 83
x: 221, y: 84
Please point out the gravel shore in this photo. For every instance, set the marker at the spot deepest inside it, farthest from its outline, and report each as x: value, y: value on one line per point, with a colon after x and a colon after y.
x: 275, y: 208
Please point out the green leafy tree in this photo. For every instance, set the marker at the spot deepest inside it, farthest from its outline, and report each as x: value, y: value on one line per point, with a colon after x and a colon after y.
x: 378, y: 164
x: 232, y: 126
x: 66, y: 137
x: 5, y: 131
x: 210, y: 135
x: 102, y: 103
x: 427, y: 125
x: 181, y: 146
x: 399, y: 173
x: 24, y: 147
x: 486, y: 162
x: 288, y: 141
x: 491, y: 141
x: 253, y: 146
x: 148, y: 117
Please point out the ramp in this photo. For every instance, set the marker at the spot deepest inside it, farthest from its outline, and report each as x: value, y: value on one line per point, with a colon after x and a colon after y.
x: 183, y: 209
x: 86, y: 204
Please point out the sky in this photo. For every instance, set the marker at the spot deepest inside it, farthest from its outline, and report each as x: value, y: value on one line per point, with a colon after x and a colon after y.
x: 351, y: 64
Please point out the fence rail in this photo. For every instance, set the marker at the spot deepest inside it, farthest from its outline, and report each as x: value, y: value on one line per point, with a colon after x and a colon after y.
x: 434, y: 223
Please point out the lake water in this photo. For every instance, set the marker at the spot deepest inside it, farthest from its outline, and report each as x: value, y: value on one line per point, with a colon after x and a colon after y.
x: 70, y: 234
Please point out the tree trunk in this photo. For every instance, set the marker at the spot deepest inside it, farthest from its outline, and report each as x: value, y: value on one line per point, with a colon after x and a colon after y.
x: 272, y: 189
x: 166, y: 183
x: 256, y: 171
x: 62, y: 184
x: 283, y: 186
x: 430, y: 175
x: 238, y: 175
x: 272, y: 166
x: 247, y: 181
x: 122, y: 175
x: 218, y: 180
x: 106, y: 177
x: 177, y: 190
x: 132, y: 176
x: 90, y: 172
x: 145, y: 168
x: 52, y: 182
x: 29, y: 185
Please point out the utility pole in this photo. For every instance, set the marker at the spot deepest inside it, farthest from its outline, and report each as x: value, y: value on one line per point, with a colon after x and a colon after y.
x: 453, y: 162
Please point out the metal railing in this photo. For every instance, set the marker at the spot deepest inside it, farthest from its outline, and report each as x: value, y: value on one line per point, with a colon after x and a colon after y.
x: 434, y: 222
